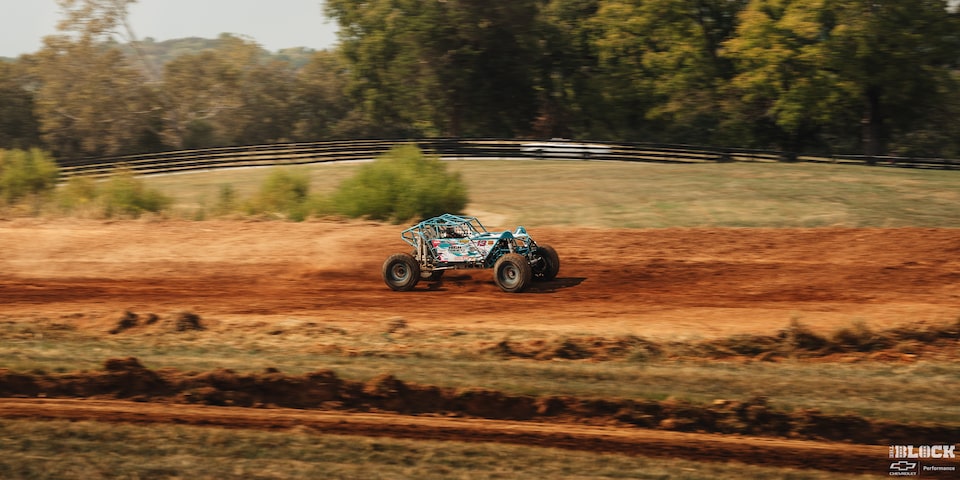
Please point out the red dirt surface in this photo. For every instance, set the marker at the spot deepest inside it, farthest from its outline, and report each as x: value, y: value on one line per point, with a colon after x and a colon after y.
x: 670, y: 284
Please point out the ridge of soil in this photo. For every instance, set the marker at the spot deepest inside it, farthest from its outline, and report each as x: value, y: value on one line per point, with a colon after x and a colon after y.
x: 323, y: 389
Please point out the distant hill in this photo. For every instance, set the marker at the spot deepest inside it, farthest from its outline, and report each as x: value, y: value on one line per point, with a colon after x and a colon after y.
x: 159, y: 53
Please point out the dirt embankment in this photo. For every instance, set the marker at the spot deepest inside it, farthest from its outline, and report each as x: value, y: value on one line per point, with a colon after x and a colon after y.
x: 386, y: 406
x: 904, y: 343
x: 128, y: 379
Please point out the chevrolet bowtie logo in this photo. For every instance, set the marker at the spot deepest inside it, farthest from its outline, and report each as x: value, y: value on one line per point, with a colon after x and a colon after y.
x: 903, y: 466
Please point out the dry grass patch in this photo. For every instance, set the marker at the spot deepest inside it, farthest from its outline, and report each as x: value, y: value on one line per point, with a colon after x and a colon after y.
x: 40, y: 450
x: 649, y: 195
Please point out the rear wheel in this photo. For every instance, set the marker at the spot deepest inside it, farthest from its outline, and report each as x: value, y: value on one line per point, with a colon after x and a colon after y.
x: 401, y: 272
x: 547, y: 265
x: 512, y: 273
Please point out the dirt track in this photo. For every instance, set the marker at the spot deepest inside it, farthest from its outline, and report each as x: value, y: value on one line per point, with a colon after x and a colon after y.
x: 672, y: 283
x: 666, y: 283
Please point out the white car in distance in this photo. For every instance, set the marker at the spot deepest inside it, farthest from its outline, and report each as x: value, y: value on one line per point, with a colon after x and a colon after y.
x: 563, y: 148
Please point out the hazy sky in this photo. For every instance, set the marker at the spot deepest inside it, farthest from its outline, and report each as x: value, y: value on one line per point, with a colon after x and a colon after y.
x: 274, y: 24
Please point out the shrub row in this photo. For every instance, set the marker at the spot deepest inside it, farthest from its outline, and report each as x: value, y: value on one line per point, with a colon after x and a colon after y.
x: 400, y: 185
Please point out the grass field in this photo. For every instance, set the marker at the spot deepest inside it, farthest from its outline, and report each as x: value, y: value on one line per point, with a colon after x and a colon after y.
x: 91, y: 451
x: 649, y: 195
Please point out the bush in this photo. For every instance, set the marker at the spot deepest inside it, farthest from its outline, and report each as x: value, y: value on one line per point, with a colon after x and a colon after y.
x: 26, y: 173
x: 79, y: 194
x: 286, y: 193
x: 400, y: 185
x: 226, y: 200
x: 125, y: 195
x: 122, y: 195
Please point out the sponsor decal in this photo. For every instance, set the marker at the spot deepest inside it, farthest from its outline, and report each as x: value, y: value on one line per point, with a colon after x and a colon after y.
x: 939, y: 468
x: 903, y: 468
x: 923, y: 451
x: 454, y: 250
x: 925, y: 461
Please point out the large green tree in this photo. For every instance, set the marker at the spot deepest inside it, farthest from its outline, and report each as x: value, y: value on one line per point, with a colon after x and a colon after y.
x: 663, y: 58
x: 207, y: 91
x: 820, y: 67
x: 227, y: 95
x: 268, y: 100
x: 90, y: 101
x: 786, y: 90
x: 900, y: 55
x: 571, y: 92
x: 18, y: 125
x: 456, y: 67
x: 320, y: 99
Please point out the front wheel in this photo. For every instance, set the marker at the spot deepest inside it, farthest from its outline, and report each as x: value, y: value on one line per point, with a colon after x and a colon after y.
x: 401, y: 272
x: 547, y: 264
x: 512, y: 273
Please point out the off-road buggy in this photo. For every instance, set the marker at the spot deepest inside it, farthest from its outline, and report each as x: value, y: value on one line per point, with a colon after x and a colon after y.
x: 454, y: 242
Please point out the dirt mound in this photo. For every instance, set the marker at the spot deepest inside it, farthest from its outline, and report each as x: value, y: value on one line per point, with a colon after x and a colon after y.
x: 576, y: 348
x: 906, y: 342
x: 187, y: 321
x: 126, y: 321
x: 224, y: 387
x: 178, y: 322
x: 128, y: 379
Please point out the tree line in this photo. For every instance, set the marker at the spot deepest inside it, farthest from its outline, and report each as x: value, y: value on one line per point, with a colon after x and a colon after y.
x: 816, y: 76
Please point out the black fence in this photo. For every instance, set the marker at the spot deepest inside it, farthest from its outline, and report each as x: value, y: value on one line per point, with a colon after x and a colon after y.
x: 458, y: 148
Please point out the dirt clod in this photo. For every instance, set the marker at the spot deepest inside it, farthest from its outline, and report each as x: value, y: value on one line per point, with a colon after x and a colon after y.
x: 122, y: 364
x: 187, y: 321
x: 126, y: 321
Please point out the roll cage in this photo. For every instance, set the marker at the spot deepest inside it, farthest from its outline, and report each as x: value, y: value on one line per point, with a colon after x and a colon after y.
x: 454, y: 241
